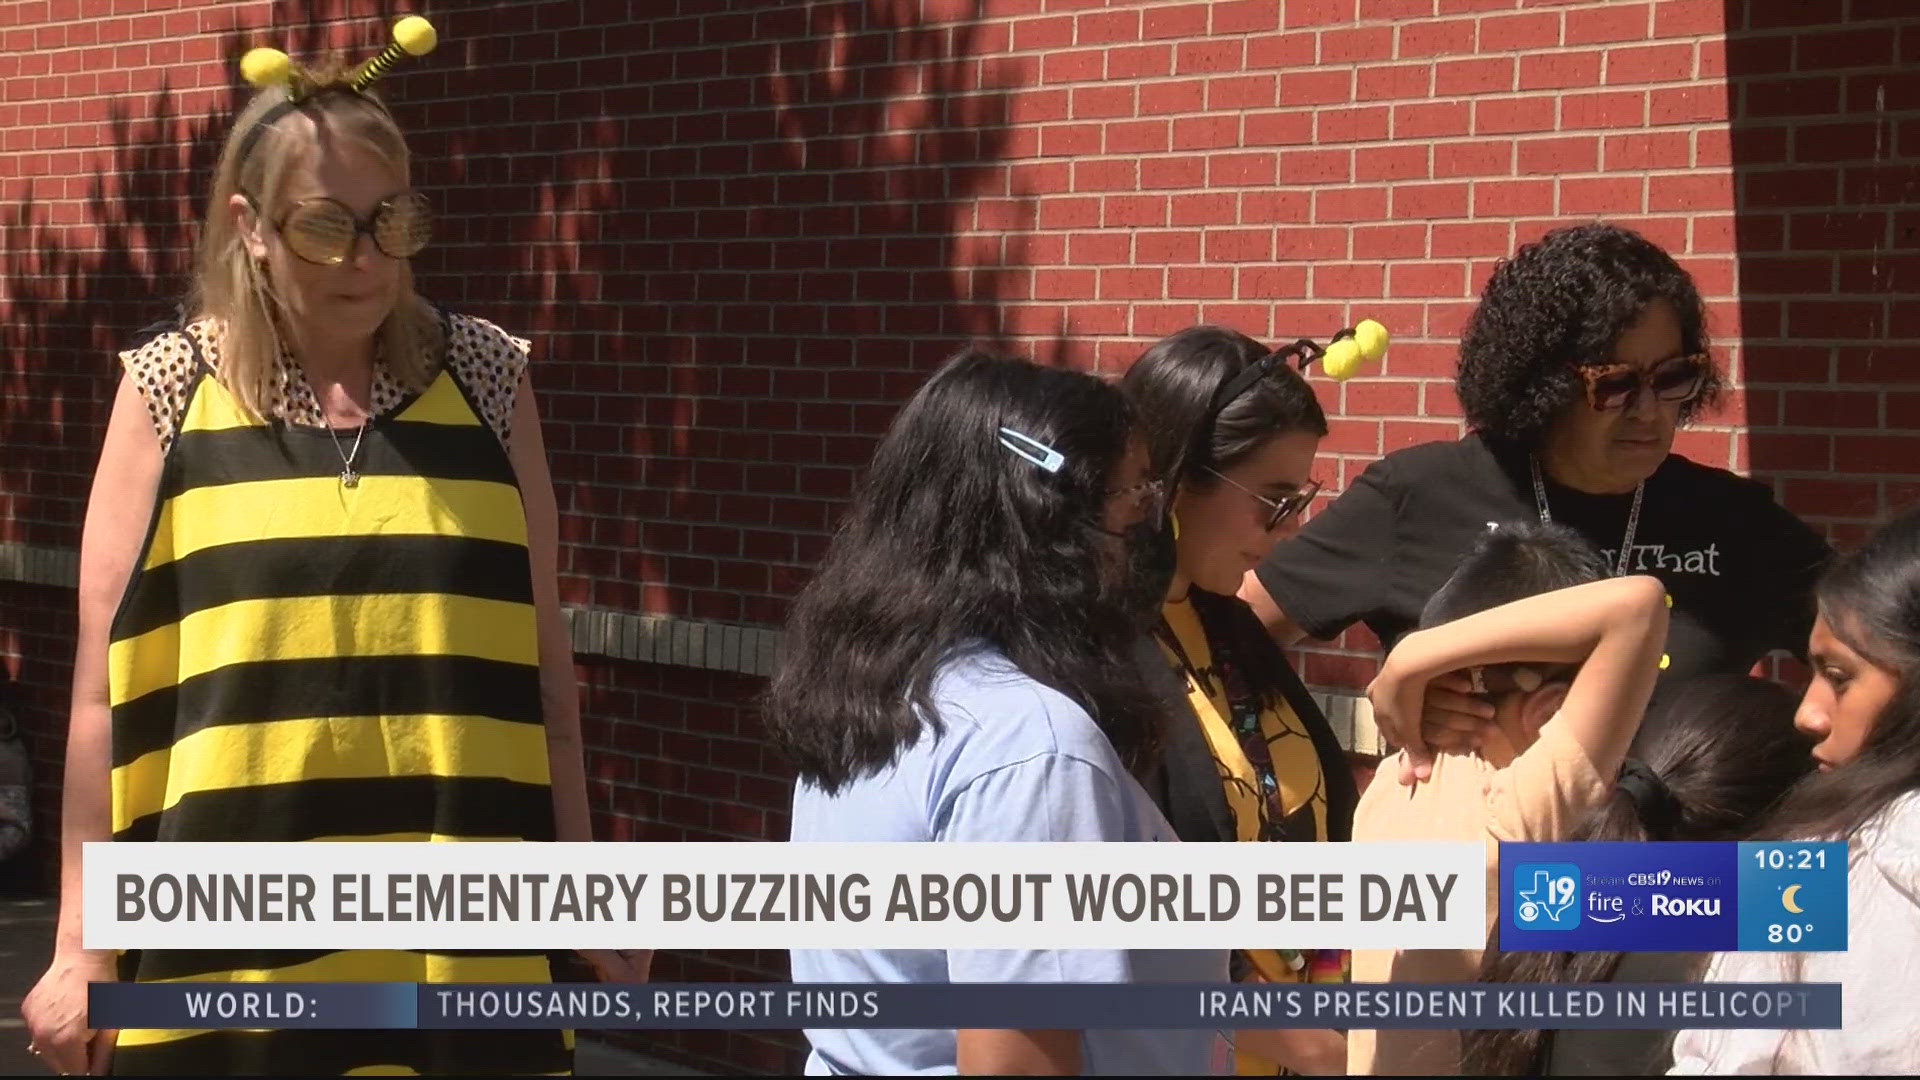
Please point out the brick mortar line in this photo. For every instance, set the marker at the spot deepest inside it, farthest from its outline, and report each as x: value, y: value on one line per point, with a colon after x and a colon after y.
x: 1506, y: 140
x: 1244, y: 38
x: 1512, y: 141
x: 1503, y: 139
x: 1027, y: 89
x: 1150, y: 232
x: 771, y: 7
x: 1557, y: 132
x: 1040, y: 53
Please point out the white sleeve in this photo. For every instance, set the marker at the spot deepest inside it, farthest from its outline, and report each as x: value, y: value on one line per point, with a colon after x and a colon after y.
x: 1729, y: 1051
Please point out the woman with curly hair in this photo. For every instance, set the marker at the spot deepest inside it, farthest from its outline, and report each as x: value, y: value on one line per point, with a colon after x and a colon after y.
x: 1587, y: 352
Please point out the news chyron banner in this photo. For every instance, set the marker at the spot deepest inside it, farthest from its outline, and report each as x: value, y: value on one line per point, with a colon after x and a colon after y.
x: 943, y: 897
x: 783, y: 896
x: 1674, y: 897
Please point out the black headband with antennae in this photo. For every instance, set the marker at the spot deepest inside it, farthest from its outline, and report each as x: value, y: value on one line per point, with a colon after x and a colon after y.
x: 1304, y: 350
x: 293, y: 104
x: 265, y: 67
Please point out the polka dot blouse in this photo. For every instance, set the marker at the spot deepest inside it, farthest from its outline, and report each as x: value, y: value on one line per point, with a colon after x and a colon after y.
x: 486, y: 360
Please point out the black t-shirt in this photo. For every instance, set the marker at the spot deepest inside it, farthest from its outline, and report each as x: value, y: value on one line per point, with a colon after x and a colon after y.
x: 1739, y: 567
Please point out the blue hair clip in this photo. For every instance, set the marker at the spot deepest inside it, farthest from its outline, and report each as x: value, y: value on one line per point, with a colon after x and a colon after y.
x: 1032, y: 449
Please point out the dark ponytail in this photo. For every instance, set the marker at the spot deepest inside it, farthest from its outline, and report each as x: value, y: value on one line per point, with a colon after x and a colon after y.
x: 1711, y: 758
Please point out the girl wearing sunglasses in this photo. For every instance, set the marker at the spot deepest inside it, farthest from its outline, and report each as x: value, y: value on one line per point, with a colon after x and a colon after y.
x: 334, y: 613
x: 1234, y: 428
x: 1587, y: 353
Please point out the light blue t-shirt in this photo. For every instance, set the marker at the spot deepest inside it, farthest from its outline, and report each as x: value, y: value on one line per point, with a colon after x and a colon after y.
x: 1017, y: 761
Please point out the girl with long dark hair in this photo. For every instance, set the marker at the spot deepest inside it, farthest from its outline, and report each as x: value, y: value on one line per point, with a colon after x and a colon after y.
x: 1710, y: 759
x: 963, y: 668
x: 1251, y: 758
x: 1863, y: 711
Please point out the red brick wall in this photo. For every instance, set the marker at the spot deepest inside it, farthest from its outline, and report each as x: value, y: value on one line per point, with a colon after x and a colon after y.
x: 741, y: 232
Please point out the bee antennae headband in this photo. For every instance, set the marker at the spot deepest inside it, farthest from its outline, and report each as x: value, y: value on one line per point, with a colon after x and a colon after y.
x: 412, y: 36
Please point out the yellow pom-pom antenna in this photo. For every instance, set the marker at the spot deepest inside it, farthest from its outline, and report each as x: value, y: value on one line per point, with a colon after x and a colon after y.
x: 416, y: 35
x: 1372, y: 339
x: 1342, y: 359
x: 412, y: 36
x: 1353, y: 349
x: 266, y: 67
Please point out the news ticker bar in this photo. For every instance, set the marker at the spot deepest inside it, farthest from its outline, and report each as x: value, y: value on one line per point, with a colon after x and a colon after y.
x: 736, y: 1006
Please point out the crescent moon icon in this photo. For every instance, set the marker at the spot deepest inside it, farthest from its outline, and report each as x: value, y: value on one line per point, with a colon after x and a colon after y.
x: 1786, y: 899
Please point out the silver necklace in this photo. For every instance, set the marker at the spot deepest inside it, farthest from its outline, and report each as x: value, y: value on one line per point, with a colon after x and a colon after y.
x: 1633, y: 515
x: 348, y: 476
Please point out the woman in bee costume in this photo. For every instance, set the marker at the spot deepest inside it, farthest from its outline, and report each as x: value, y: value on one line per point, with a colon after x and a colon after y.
x: 318, y: 593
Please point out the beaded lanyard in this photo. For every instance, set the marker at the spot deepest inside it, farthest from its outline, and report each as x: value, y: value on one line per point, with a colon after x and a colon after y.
x: 1243, y: 719
x: 1633, y: 516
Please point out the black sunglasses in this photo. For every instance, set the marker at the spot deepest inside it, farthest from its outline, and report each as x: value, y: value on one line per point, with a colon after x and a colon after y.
x: 1280, y: 509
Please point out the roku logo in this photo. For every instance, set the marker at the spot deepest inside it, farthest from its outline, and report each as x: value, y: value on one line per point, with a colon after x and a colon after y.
x: 1693, y: 905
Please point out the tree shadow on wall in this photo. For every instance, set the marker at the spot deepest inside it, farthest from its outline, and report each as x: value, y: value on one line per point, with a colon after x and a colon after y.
x: 816, y: 215
x: 87, y: 262
x: 739, y: 239
x: 83, y: 273
x: 89, y: 259
x: 812, y: 212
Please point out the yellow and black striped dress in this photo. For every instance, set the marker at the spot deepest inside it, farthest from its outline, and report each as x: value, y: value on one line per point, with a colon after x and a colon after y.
x: 300, y: 660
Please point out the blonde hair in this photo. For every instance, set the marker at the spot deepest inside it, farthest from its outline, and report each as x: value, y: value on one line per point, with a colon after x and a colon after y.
x: 231, y: 287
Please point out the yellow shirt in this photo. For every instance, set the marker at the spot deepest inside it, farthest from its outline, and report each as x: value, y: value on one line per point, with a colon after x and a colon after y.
x: 1299, y: 783
x: 1302, y: 788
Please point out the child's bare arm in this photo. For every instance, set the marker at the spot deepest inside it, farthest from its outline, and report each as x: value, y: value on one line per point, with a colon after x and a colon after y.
x: 1614, y: 629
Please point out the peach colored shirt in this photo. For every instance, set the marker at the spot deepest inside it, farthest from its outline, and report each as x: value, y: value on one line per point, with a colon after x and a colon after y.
x: 1540, y: 796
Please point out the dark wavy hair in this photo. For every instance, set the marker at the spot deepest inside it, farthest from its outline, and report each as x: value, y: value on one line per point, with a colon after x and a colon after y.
x: 1172, y: 388
x: 1561, y: 301
x: 1870, y: 599
x: 1725, y: 748
x: 954, y: 541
